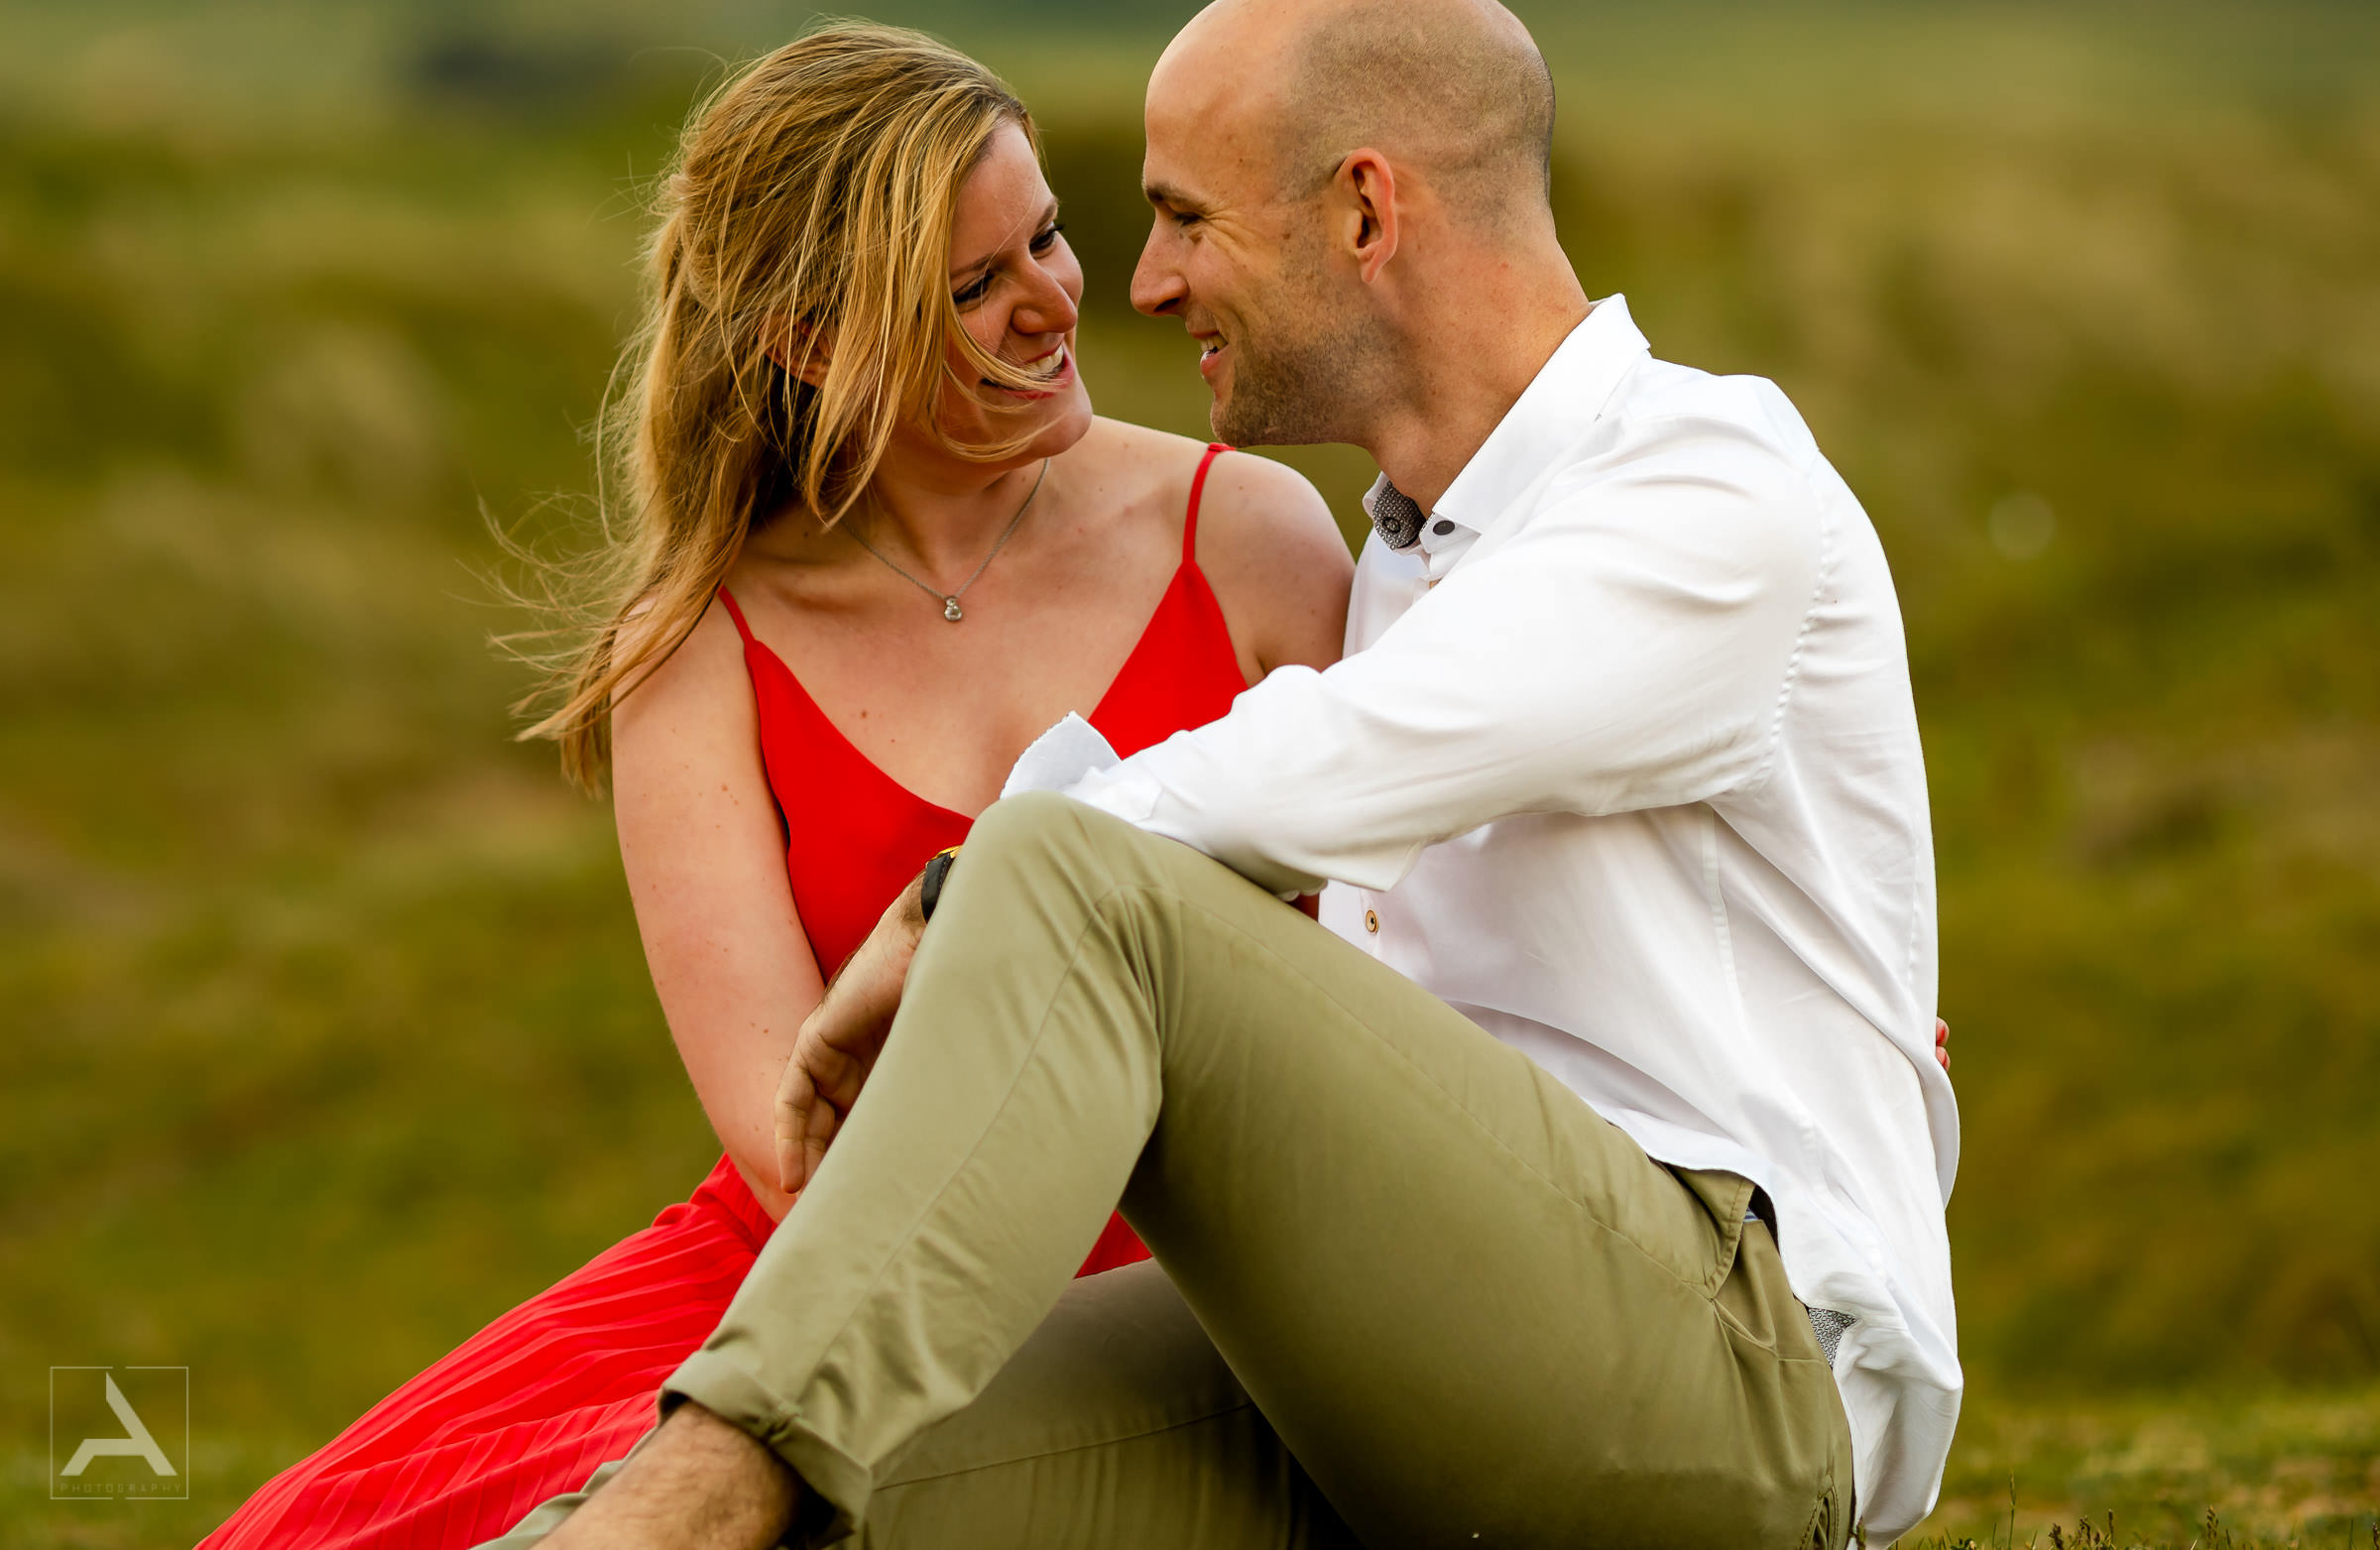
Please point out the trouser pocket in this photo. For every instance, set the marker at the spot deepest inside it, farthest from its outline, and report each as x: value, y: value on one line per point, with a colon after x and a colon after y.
x: 1805, y: 1468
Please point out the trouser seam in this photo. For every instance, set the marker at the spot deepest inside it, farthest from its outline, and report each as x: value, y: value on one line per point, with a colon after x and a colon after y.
x: 1819, y: 1514
x: 1081, y: 1447
x: 1074, y: 953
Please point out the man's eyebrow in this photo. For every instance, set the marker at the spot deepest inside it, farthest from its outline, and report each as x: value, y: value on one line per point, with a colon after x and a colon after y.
x: 1174, y: 198
x: 1050, y: 212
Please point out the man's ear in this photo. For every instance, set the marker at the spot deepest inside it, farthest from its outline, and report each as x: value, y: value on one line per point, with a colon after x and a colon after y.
x: 795, y: 346
x: 1366, y: 187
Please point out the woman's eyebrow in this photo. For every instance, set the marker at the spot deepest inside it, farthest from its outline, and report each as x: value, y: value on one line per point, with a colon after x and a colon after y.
x: 1050, y: 212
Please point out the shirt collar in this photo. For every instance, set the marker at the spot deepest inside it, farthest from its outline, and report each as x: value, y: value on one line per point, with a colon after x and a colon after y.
x: 1568, y: 392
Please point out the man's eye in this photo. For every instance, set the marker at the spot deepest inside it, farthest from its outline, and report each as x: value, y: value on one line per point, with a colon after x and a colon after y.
x: 1047, y: 238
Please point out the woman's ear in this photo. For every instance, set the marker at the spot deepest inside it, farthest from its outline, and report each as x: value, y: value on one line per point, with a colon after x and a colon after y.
x: 794, y: 346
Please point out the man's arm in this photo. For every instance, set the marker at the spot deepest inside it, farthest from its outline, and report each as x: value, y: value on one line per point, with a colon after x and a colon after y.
x: 1631, y: 648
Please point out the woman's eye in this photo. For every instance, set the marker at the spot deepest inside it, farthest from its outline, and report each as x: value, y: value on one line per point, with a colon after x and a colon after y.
x: 1047, y: 238
x: 974, y: 291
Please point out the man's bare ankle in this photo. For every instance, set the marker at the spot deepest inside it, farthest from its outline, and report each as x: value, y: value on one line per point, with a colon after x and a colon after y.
x: 698, y: 1482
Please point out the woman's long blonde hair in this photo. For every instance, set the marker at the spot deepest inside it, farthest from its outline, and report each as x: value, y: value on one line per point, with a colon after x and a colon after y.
x: 808, y: 211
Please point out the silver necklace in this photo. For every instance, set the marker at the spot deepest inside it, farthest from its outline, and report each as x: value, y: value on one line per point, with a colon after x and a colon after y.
x: 950, y: 599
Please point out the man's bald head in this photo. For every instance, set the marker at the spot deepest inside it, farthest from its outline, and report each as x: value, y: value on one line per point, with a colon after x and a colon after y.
x: 1349, y: 213
x: 1454, y: 89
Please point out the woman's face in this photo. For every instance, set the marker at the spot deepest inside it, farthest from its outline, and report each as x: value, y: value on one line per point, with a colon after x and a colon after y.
x: 1016, y: 286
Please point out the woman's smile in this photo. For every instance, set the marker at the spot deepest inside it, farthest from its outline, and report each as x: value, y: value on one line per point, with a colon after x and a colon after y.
x: 1058, y: 373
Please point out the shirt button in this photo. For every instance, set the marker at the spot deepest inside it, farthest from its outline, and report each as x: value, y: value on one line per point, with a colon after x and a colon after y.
x: 1443, y: 529
x: 1372, y: 920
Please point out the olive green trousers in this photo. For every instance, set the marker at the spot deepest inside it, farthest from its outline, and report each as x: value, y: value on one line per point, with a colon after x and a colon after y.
x: 1413, y: 1291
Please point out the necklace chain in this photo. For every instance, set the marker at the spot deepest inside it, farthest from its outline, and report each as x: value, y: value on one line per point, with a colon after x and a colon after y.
x: 950, y: 599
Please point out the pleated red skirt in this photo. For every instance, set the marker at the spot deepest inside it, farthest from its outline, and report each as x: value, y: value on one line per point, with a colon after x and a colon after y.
x: 531, y: 1405
x: 543, y: 1396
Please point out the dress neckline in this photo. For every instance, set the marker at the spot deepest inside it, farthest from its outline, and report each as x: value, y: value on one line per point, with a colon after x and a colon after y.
x: 1183, y: 574
x: 753, y: 642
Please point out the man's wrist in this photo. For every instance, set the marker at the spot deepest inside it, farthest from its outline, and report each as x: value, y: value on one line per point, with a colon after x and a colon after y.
x: 906, y: 907
x: 930, y: 882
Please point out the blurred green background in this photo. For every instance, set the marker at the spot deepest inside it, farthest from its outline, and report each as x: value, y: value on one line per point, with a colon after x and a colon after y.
x: 326, y: 1034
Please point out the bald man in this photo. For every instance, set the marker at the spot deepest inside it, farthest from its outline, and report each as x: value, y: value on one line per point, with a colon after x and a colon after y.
x: 1579, y: 1180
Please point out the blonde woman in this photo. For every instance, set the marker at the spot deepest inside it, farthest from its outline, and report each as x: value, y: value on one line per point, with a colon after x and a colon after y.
x: 874, y: 543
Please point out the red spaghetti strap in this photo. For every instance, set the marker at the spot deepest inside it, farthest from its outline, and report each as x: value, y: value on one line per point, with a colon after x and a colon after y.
x: 1198, y: 486
x: 736, y: 613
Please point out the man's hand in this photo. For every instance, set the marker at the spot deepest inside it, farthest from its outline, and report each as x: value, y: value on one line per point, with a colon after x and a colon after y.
x: 1942, y: 1043
x: 840, y: 1040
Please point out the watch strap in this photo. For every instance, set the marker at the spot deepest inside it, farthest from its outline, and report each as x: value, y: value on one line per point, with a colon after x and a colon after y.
x: 929, y: 887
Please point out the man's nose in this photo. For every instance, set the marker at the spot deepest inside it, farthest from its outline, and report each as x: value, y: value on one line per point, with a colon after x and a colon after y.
x: 1158, y: 286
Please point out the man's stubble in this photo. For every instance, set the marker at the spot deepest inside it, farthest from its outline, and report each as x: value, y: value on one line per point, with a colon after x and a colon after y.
x: 1312, y: 371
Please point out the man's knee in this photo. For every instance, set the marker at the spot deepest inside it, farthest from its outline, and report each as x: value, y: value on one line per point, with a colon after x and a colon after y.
x: 1040, y: 831
x: 1038, y: 856
x: 1049, y: 855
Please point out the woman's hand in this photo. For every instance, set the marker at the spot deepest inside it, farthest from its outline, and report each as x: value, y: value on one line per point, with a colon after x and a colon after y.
x: 840, y: 1040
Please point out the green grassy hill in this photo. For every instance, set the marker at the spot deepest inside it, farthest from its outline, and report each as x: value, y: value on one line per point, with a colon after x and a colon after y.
x: 327, y: 1032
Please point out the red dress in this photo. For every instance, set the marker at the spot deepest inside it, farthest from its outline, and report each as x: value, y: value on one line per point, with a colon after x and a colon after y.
x: 528, y: 1407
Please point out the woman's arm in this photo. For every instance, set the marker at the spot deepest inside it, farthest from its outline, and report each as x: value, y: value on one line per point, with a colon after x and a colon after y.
x: 705, y: 858
x: 1276, y: 562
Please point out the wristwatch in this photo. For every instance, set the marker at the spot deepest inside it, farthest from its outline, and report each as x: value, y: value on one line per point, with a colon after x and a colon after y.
x: 929, y: 887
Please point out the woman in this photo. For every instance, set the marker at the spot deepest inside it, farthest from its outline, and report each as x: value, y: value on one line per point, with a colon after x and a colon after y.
x: 876, y: 543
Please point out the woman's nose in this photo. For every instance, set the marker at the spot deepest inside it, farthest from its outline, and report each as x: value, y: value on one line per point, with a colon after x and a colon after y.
x: 1047, y: 308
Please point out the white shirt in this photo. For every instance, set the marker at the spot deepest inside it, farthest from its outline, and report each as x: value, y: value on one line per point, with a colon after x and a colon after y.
x: 1624, y: 763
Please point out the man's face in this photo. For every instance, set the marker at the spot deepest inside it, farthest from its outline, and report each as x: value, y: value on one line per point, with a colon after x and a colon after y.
x: 1243, y: 263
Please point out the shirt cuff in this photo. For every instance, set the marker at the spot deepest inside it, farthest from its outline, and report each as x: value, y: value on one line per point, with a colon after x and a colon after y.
x: 1121, y: 792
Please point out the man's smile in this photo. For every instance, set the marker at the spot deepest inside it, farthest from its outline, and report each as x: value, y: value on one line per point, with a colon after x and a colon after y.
x: 1210, y: 353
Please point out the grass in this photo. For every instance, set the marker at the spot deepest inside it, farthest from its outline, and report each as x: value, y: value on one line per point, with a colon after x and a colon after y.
x: 327, y: 1032
x: 2271, y: 1468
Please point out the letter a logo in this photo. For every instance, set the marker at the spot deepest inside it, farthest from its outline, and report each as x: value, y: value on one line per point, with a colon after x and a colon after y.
x: 136, y: 1444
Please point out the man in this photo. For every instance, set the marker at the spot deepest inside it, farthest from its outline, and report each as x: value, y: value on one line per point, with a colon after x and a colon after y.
x: 1584, y: 1183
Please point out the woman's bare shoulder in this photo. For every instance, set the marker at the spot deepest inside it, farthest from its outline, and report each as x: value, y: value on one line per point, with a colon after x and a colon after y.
x: 1138, y: 440
x: 697, y: 688
x: 1265, y: 543
x: 1145, y: 466
x: 1254, y: 501
x: 1241, y: 489
x: 1277, y: 562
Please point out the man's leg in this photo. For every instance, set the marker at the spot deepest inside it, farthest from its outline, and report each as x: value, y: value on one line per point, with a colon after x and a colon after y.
x: 1116, y: 1425
x: 1471, y: 1308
